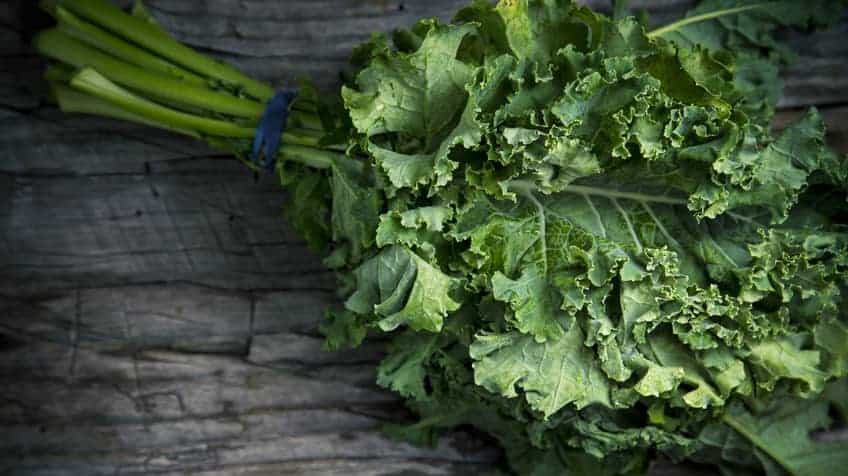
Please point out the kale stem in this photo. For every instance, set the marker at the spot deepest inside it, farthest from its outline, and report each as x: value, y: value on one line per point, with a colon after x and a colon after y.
x: 300, y: 138
x: 703, y: 17
x: 309, y: 156
x: 72, y: 100
x: 92, y: 82
x: 156, y: 40
x: 93, y: 93
x: 63, y: 47
x: 105, y: 41
x: 525, y: 186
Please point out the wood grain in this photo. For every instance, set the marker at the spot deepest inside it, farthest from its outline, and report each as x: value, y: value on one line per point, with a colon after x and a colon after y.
x: 160, y: 317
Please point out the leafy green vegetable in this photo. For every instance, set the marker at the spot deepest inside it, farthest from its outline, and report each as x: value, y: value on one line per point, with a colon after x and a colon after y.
x: 582, y: 237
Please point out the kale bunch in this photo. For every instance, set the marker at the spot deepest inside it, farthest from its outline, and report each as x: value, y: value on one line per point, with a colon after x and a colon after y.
x: 585, y: 239
x: 582, y: 236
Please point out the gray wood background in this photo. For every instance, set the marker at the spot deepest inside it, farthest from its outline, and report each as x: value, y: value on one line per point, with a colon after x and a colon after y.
x: 158, y: 316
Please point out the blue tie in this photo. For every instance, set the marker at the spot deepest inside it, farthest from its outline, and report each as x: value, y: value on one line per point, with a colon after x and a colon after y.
x: 270, y: 128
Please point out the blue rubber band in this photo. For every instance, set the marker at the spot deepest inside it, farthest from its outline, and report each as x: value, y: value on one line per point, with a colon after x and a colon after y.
x: 270, y: 129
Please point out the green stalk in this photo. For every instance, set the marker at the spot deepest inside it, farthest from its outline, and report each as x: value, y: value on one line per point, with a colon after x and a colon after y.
x: 154, y: 39
x: 292, y: 137
x: 527, y: 186
x: 115, y: 46
x: 71, y: 100
x: 92, y: 82
x: 309, y: 137
x: 63, y: 47
x: 59, y: 73
x: 312, y: 157
x: 703, y: 17
x: 97, y: 95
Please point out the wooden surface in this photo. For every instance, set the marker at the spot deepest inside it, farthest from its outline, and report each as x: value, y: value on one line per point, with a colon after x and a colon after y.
x: 158, y: 316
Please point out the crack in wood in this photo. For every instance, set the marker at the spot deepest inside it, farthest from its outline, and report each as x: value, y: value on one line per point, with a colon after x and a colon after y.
x: 66, y: 123
x: 244, y: 291
x: 250, y: 325
x: 74, y: 336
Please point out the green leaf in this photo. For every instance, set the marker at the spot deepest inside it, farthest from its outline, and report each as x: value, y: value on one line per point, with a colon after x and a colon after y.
x: 781, y: 435
x: 309, y: 208
x: 356, y: 207
x: 784, y: 359
x: 400, y: 288
x: 832, y: 336
x: 772, y: 178
x: 551, y: 374
x: 535, y: 302
x: 419, y: 228
x: 403, y: 370
x: 342, y: 329
x: 676, y: 364
x: 537, y: 29
x: 836, y: 393
x: 746, y: 29
x: 419, y: 98
x: 748, y: 26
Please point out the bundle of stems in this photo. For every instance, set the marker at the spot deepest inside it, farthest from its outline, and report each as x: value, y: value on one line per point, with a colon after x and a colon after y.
x: 125, y: 66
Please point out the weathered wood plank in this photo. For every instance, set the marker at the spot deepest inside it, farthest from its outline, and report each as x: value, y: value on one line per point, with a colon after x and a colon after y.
x: 158, y: 315
x: 204, y: 414
x: 214, y: 227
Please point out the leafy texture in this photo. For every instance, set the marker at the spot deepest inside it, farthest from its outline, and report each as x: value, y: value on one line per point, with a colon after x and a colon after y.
x: 552, y: 375
x: 751, y: 31
x: 400, y: 288
x: 749, y: 34
x: 591, y: 244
